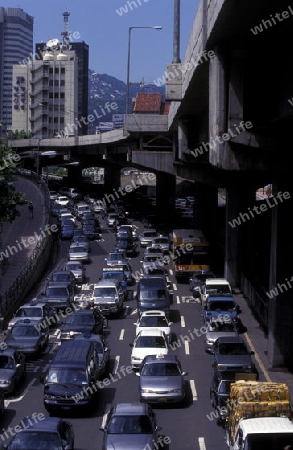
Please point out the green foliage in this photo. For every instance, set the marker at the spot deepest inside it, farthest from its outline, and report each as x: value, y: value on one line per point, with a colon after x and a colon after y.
x: 19, y: 134
x: 9, y: 198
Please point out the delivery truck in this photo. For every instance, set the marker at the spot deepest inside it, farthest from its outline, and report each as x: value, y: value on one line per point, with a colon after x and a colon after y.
x: 259, y: 416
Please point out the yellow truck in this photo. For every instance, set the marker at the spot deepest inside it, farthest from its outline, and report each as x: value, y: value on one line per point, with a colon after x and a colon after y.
x: 259, y: 416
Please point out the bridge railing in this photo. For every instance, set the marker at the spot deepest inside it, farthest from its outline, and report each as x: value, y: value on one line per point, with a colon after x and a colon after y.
x: 15, y: 294
x: 256, y: 298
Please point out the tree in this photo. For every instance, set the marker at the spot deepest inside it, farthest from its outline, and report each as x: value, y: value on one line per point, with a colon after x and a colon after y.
x: 9, y: 198
x: 22, y: 134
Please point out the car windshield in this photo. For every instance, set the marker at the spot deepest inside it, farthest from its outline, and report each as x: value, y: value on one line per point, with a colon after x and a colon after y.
x: 152, y: 294
x: 73, y: 267
x: 130, y: 425
x: 232, y: 349
x: 152, y: 271
x: 224, y: 387
x: 80, y: 319
x: 161, y: 241
x: 104, y: 292
x: 150, y: 258
x: 150, y: 342
x: 221, y: 327
x: 149, y: 234
x: 153, y: 321
x: 78, y: 250
x: 27, y: 331
x: 64, y: 276
x: 63, y: 376
x: 6, y: 362
x: 218, y: 289
x: 29, y: 312
x: 160, y: 370
x: 114, y: 275
x: 36, y: 440
x: 114, y: 256
x: 221, y: 305
x: 57, y: 292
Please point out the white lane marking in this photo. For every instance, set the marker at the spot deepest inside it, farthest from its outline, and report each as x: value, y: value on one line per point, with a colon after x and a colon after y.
x: 126, y: 311
x: 178, y: 299
x: 193, y: 390
x: 170, y: 271
x: 56, y: 332
x: 107, y: 409
x: 201, y: 443
x: 18, y: 399
x: 134, y: 312
x: 54, y: 346
x: 182, y: 322
x: 116, y: 365
x: 186, y: 346
x: 121, y: 335
x: 175, y: 287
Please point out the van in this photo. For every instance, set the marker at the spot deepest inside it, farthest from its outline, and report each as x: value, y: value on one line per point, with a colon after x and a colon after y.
x: 71, y: 378
x: 153, y: 293
x: 108, y: 295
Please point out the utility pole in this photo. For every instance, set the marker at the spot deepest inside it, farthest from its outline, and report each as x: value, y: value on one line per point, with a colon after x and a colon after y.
x: 176, y: 39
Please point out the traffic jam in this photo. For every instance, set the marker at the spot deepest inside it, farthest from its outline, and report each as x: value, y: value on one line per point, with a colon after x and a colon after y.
x: 132, y: 341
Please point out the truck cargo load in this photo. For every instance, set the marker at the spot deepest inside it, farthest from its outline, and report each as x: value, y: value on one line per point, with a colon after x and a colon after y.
x: 252, y: 400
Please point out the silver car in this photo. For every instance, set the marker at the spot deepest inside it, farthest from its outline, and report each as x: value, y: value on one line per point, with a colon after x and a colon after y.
x: 161, y: 380
x: 78, y: 270
x: 216, y: 329
x: 147, y: 237
x: 78, y: 252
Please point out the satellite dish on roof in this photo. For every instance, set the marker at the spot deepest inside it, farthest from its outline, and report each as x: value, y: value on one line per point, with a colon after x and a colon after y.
x: 53, y: 43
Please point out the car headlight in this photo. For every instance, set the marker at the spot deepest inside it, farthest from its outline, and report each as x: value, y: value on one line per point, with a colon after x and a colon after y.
x: 5, y: 382
x: 146, y: 391
x: 49, y: 397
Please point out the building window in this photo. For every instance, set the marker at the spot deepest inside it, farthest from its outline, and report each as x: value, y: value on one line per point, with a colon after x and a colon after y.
x: 62, y: 69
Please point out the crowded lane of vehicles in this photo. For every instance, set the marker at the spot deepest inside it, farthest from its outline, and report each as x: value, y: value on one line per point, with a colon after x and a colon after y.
x: 105, y: 386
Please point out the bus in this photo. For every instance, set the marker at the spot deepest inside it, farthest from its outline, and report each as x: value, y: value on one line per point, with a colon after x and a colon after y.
x: 191, y: 252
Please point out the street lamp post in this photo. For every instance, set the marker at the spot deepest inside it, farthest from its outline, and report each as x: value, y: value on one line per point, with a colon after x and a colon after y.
x: 128, y: 63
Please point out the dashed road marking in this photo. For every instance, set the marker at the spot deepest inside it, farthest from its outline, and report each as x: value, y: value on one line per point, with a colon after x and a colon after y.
x: 186, y: 346
x: 182, y: 320
x: 201, y: 443
x: 107, y: 409
x: 121, y: 335
x: 116, y: 365
x: 134, y: 312
x: 178, y: 299
x: 193, y: 390
x: 175, y: 287
x: 170, y: 271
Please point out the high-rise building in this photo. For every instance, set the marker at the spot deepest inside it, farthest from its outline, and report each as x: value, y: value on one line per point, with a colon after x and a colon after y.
x: 16, y: 44
x: 50, y: 85
x: 82, y: 52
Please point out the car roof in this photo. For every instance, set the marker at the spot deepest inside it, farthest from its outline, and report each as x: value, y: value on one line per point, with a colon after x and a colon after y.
x: 25, y: 322
x: 216, y: 281
x: 105, y: 283
x: 91, y: 337
x: 134, y: 408
x: 152, y: 282
x: 56, y: 284
x: 152, y: 313
x: 46, y: 424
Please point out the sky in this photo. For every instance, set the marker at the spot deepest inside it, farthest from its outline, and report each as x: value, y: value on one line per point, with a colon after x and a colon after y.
x: 98, y: 23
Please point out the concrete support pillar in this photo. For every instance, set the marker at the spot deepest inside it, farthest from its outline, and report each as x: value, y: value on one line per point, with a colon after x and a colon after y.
x: 74, y: 176
x: 217, y: 103
x: 112, y: 179
x: 237, y: 203
x: 165, y: 195
x: 182, y: 138
x: 236, y: 83
x: 280, y: 327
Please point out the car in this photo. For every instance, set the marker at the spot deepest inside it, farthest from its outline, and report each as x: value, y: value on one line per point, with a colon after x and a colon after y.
x: 53, y: 195
x: 78, y: 232
x: 58, y: 296
x: 88, y: 215
x: 78, y: 252
x: 151, y: 260
x: 130, y: 426
x: 232, y: 354
x: 91, y: 230
x: 83, y: 239
x: 111, y: 218
x: 127, y: 231
x: 62, y: 200
x: 219, y: 328
x: 153, y: 293
x: 116, y: 273
x: 197, y: 279
x: 163, y: 242
x: 66, y: 231
x: 218, y: 306
x: 66, y: 216
x: 33, y: 310
x: 102, y: 350
x: 78, y: 270
x: 98, y: 206
x: 50, y: 433
x: 28, y: 336
x: 146, y: 237
x: 55, y: 209
x: 161, y: 380
x: 83, y: 321
x: 148, y: 342
x: 62, y: 277
x: 154, y: 319
x: 128, y: 245
x: 156, y: 272
x: 12, y: 369
x: 108, y: 295
x: 128, y: 272
x: 214, y: 286
x: 115, y: 258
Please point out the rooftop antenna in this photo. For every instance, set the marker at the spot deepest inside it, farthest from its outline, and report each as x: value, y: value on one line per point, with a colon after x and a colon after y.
x: 66, y: 33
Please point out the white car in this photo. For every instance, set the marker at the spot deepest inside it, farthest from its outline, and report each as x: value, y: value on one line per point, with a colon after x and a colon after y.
x: 163, y: 242
x: 62, y: 200
x: 78, y: 252
x: 148, y: 342
x: 154, y: 320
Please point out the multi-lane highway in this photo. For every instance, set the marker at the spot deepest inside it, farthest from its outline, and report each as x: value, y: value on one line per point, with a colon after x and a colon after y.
x: 186, y: 427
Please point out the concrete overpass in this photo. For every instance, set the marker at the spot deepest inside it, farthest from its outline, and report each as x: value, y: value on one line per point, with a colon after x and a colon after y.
x: 229, y: 127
